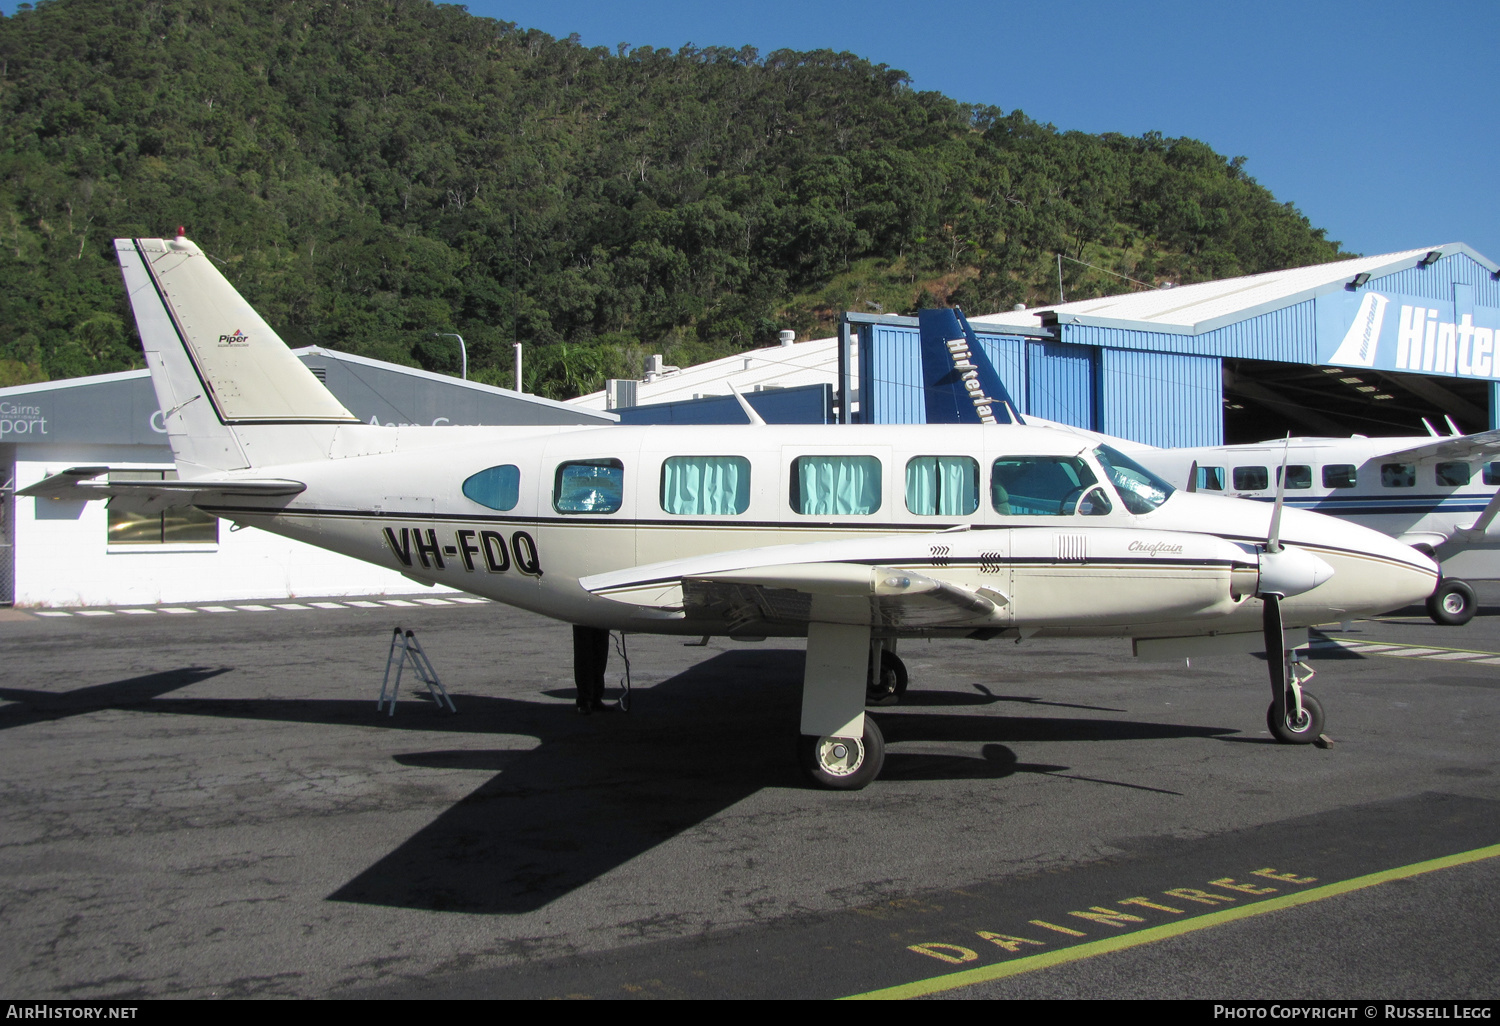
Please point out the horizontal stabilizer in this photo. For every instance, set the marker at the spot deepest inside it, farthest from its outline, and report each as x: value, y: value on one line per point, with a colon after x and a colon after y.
x: 80, y: 484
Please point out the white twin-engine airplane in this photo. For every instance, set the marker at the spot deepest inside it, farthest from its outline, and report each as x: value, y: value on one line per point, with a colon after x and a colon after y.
x: 854, y: 536
x: 1437, y: 494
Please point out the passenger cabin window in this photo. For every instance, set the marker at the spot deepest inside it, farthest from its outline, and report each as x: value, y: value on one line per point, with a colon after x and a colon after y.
x: 589, y: 486
x: 711, y: 486
x: 498, y: 487
x: 181, y: 525
x: 1492, y: 473
x: 1398, y: 475
x: 1296, y: 477
x: 1450, y: 475
x: 1251, y: 479
x: 1039, y: 486
x: 942, y: 486
x: 835, y: 485
x: 1210, y: 479
x: 1340, y: 475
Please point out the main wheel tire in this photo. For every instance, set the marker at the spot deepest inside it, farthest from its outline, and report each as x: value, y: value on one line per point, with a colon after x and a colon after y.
x: 1304, y: 732
x: 844, y: 763
x: 887, y: 686
x: 1453, y: 604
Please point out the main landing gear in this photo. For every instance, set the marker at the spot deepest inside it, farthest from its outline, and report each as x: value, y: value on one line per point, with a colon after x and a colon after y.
x: 887, y: 675
x: 1452, y: 603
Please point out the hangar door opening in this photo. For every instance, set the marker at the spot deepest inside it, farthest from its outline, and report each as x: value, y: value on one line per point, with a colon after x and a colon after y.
x: 1264, y: 400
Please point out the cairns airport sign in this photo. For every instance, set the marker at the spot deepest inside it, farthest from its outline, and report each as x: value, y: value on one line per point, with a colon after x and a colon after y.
x: 1407, y: 333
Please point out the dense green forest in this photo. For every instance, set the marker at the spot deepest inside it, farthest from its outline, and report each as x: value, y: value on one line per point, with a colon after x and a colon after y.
x: 368, y: 173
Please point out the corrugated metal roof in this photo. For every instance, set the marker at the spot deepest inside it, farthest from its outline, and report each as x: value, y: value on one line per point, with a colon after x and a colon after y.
x: 1193, y: 309
x: 802, y: 363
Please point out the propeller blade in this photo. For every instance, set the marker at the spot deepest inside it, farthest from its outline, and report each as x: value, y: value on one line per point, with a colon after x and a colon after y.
x: 1273, y: 537
x: 1275, y: 642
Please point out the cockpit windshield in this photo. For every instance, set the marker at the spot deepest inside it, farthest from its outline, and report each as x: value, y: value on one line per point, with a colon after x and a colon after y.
x: 1140, y: 490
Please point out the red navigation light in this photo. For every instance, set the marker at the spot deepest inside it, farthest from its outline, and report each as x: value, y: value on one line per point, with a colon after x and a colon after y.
x: 181, y: 231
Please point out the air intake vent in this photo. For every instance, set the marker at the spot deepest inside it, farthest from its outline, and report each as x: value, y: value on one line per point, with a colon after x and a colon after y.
x: 321, y: 373
x: 1072, y: 548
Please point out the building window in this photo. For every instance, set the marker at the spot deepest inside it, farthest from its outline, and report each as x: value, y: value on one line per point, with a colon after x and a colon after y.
x: 942, y: 486
x: 1251, y: 479
x: 182, y: 525
x: 1452, y: 475
x: 589, y: 486
x: 1296, y: 477
x: 705, y: 485
x: 1340, y: 475
x: 1398, y: 475
x: 835, y: 485
x: 498, y: 487
x: 1210, y: 479
x: 1041, y: 486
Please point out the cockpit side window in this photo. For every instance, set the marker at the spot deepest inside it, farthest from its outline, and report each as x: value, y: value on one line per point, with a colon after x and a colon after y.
x: 589, y: 486
x: 498, y: 487
x: 1140, y: 490
x: 1039, y: 486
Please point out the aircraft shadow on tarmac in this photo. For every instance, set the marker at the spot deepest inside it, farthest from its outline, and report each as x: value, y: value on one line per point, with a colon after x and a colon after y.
x: 598, y: 791
x: 40, y: 706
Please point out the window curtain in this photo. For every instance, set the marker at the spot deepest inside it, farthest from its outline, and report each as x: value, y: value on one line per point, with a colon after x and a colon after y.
x: 946, y: 486
x: 705, y: 485
x: 838, y: 485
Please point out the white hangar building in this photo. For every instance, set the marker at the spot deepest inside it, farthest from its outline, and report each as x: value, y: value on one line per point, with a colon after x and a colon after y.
x: 82, y: 554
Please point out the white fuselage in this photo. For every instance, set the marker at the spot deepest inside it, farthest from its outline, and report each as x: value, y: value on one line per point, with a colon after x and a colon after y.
x: 1418, y: 508
x: 1167, y: 571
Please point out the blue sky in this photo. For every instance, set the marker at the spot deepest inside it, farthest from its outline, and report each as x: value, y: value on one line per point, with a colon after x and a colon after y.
x: 1376, y: 119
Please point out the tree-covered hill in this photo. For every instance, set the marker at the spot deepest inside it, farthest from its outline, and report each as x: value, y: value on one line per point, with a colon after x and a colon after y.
x: 368, y: 173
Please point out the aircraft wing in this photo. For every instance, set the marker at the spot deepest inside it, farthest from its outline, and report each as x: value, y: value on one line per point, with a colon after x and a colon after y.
x: 1460, y: 447
x: 80, y: 484
x: 777, y: 584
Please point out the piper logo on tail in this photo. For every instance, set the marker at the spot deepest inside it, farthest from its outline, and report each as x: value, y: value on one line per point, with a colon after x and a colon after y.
x: 239, y: 338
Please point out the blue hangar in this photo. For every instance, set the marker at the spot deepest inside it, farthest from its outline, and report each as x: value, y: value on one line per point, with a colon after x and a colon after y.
x: 1366, y: 346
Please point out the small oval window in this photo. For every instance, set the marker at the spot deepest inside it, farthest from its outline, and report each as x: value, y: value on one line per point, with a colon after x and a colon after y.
x: 498, y: 487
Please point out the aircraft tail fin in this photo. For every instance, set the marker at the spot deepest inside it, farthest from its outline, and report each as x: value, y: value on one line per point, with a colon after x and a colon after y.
x: 961, y: 384
x: 231, y: 392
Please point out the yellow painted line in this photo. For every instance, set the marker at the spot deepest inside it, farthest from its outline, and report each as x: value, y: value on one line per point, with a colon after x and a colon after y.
x: 1015, y: 967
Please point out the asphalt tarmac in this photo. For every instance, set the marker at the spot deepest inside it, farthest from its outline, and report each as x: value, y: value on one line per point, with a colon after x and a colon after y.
x: 209, y: 804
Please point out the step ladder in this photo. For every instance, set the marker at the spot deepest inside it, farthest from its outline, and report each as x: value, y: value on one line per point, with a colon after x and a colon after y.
x: 406, y: 648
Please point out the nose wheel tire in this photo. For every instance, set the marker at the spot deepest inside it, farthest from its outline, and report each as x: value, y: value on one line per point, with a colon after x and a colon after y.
x: 887, y: 685
x: 844, y: 763
x: 1290, y: 731
x: 1453, y: 603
